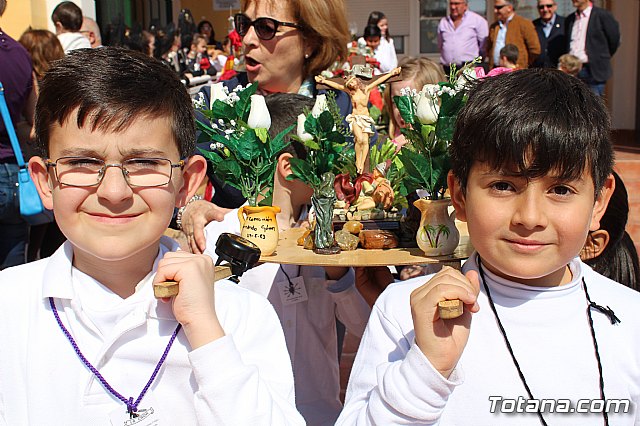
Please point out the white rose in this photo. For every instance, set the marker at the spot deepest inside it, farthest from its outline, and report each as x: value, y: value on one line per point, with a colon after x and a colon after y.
x: 302, y: 134
x: 217, y: 93
x: 259, y: 117
x: 319, y: 106
x: 428, y: 108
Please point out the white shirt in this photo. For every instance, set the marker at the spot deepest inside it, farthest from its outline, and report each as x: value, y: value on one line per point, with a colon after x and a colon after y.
x: 73, y: 41
x: 385, y: 54
x: 578, y: 46
x: 309, y: 325
x: 243, y: 378
x: 392, y: 382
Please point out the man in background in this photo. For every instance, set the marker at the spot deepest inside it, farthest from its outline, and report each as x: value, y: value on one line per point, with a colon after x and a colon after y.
x: 593, y: 35
x: 510, y: 28
x: 461, y: 35
x: 91, y: 31
x: 550, y: 29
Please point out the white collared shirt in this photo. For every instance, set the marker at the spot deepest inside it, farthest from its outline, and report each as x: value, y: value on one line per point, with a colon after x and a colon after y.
x: 578, y: 46
x: 243, y: 378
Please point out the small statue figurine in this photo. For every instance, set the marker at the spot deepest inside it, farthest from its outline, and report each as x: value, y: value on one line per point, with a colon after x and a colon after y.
x: 360, y: 122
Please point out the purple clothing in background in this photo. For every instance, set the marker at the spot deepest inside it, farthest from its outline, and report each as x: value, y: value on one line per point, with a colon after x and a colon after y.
x: 15, y: 75
x: 465, y: 43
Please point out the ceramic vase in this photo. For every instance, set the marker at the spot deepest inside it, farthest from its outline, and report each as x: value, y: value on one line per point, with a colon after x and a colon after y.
x: 437, y: 234
x: 259, y: 225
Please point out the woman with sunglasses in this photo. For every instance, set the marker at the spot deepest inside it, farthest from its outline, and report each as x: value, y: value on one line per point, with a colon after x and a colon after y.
x: 286, y: 43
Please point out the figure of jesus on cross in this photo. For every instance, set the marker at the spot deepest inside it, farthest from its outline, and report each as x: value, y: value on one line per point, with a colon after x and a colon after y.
x: 360, y: 122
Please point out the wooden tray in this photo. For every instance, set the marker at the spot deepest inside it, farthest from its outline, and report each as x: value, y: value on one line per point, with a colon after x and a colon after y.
x: 290, y: 253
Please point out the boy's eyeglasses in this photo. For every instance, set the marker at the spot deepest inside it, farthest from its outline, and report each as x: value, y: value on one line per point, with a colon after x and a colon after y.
x: 266, y: 28
x: 138, y: 172
x: 545, y: 6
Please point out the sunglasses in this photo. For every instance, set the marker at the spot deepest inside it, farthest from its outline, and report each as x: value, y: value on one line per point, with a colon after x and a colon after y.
x: 545, y: 6
x: 498, y: 7
x: 266, y: 28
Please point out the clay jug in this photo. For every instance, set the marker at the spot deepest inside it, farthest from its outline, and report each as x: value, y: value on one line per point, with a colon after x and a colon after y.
x: 437, y: 234
x: 258, y: 225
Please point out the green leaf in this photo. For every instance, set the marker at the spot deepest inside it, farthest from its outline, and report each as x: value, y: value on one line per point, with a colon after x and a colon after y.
x: 222, y: 110
x: 405, y: 106
x: 278, y: 144
x: 419, y: 171
x: 325, y: 121
x: 303, y: 171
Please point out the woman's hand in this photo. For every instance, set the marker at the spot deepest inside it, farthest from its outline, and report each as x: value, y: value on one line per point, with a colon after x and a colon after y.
x: 194, y: 306
x: 195, y: 217
x: 442, y: 341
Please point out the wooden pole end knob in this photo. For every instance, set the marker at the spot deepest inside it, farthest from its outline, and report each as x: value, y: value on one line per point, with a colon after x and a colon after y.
x: 449, y: 309
x: 165, y: 289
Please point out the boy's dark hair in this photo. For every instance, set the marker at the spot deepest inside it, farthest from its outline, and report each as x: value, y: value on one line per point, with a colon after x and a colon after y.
x: 372, y: 31
x: 510, y: 51
x: 284, y: 109
x: 533, y: 122
x: 111, y: 87
x: 619, y: 259
x: 69, y: 15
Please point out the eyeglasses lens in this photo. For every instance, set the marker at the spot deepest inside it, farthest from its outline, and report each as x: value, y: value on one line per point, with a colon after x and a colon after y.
x: 265, y: 28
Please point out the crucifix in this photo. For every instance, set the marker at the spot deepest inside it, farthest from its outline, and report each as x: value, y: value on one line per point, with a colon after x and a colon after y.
x: 358, y: 85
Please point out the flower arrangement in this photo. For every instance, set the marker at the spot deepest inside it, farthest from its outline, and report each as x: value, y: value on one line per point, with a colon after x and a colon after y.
x: 431, y: 115
x: 242, y: 153
x: 324, y: 136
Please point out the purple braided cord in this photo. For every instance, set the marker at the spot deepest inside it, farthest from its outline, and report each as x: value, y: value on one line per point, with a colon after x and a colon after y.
x: 131, y: 406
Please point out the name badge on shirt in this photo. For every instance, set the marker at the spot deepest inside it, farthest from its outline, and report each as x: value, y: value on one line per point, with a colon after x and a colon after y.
x: 147, y: 414
x: 292, y: 291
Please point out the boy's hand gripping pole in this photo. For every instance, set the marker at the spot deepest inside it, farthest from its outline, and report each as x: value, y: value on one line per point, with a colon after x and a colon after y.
x: 239, y: 253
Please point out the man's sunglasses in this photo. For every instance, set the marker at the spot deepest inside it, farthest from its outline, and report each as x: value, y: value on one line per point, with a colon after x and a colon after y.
x: 266, y: 28
x: 545, y: 6
x: 498, y: 7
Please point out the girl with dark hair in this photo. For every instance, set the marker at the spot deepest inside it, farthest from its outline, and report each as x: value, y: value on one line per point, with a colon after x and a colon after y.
x: 386, y: 52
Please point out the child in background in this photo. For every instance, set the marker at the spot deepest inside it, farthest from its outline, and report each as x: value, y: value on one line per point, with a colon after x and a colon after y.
x: 386, y: 52
x: 328, y: 294
x: 509, y: 56
x: 610, y: 249
x: 197, y: 59
x: 67, y: 19
x: 530, y: 183
x: 570, y: 64
x: 414, y: 74
x: 88, y: 341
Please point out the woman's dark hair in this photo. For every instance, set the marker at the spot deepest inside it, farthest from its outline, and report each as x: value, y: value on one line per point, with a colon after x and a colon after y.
x: 69, y: 15
x: 375, y: 17
x: 619, y: 259
x: 533, y: 122
x: 372, y: 31
x: 110, y: 88
x: 212, y: 38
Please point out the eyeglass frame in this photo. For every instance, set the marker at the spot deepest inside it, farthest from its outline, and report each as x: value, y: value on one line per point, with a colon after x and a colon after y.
x: 545, y: 6
x: 263, y: 18
x: 103, y: 170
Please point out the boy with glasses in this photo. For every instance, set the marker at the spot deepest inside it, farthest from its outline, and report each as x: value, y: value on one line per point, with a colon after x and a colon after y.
x: 550, y: 29
x: 86, y: 341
